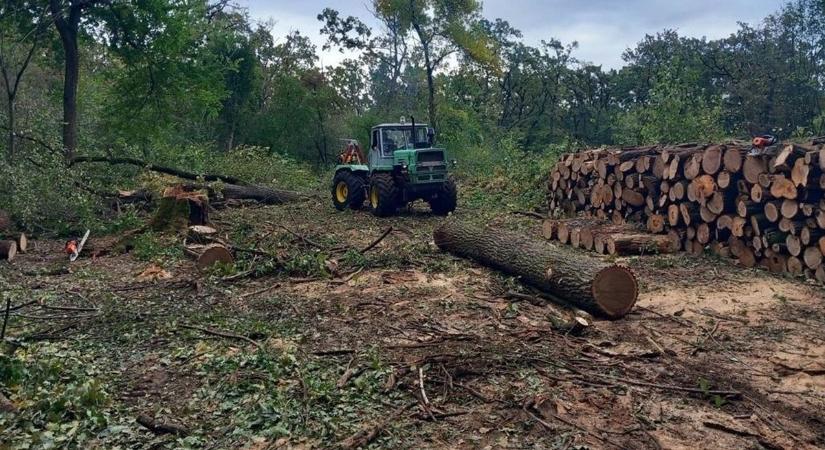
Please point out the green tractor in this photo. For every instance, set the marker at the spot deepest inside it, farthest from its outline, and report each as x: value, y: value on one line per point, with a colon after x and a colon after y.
x: 403, y: 166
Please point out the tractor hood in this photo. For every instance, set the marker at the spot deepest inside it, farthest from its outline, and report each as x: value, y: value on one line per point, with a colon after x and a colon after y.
x: 420, y: 156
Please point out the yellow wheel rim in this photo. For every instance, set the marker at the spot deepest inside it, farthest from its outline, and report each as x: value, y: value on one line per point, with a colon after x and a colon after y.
x: 341, y: 192
x: 374, y: 197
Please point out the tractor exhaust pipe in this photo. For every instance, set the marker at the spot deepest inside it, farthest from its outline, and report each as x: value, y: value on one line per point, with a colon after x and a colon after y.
x: 414, y: 137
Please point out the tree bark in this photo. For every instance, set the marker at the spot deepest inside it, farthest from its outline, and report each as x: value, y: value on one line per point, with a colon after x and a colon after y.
x: 609, y: 291
x: 10, y: 151
x: 155, y: 168
x: 67, y: 26
x: 260, y: 194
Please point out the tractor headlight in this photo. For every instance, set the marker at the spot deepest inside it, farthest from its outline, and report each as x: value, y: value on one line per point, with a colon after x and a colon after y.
x: 404, y: 165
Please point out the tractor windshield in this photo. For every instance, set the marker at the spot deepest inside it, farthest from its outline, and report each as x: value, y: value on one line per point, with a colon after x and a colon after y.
x: 400, y: 138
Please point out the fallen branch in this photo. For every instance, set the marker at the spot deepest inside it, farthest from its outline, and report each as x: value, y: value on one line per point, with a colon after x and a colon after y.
x: 159, y: 427
x: 742, y: 433
x: 676, y: 319
x: 568, y: 423
x: 701, y: 345
x: 669, y: 387
x: 5, y: 319
x: 56, y: 317
x: 261, y: 291
x: 155, y: 168
x: 348, y: 277
x: 532, y: 214
x: 68, y: 308
x: 421, y: 386
x: 335, y: 352
x: 223, y: 334
x: 377, y: 241
x: 304, y: 238
x: 366, y: 435
x: 349, y: 372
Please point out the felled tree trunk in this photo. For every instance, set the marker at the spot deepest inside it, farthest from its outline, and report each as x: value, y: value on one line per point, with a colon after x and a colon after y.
x: 234, y: 189
x: 608, y: 291
x: 260, y: 194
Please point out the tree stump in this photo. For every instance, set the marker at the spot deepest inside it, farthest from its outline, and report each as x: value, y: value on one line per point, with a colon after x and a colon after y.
x: 206, y: 256
x: 8, y: 249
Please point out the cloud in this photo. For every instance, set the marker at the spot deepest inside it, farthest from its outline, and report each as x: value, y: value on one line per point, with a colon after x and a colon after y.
x: 603, y: 28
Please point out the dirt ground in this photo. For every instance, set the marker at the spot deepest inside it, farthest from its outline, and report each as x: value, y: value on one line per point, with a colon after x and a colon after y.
x: 420, y: 348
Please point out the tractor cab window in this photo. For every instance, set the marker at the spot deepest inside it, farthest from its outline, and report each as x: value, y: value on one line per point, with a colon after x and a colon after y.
x: 375, y: 141
x: 400, y: 138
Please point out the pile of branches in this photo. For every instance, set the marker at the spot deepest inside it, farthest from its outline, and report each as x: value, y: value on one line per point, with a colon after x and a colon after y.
x: 763, y: 209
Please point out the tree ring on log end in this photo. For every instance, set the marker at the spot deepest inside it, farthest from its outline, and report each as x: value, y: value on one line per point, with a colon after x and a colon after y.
x: 615, y: 290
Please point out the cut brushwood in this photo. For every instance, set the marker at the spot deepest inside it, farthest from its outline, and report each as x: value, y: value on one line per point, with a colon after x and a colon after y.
x: 588, y: 283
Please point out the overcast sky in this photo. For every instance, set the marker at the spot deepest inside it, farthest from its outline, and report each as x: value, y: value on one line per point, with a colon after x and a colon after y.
x: 603, y: 28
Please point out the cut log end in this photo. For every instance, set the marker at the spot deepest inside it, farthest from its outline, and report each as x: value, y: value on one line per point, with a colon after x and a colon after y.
x: 615, y: 289
x: 8, y: 249
x: 22, y: 243
x: 208, y: 255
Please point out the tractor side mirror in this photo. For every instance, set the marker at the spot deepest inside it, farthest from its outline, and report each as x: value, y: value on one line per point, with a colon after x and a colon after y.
x: 431, y: 136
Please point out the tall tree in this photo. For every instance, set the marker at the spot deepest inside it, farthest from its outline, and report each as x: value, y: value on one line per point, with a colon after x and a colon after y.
x: 442, y: 28
x: 66, y: 15
x: 22, y: 25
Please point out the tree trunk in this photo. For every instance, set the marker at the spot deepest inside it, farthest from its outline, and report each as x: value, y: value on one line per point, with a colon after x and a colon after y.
x: 10, y: 151
x: 67, y: 23
x: 588, y: 283
x: 261, y: 194
x: 429, y: 67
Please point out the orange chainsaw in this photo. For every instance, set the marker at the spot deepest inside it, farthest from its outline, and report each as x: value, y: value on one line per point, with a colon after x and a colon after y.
x: 759, y: 143
x: 73, y: 247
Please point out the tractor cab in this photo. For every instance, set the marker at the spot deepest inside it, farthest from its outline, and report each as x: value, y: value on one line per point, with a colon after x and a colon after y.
x: 403, y: 165
x: 388, y: 137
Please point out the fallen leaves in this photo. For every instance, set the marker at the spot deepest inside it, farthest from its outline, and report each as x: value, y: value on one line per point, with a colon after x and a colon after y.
x: 154, y: 273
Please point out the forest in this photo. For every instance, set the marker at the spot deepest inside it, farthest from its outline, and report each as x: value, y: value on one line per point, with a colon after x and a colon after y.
x: 196, y: 84
x: 195, y: 254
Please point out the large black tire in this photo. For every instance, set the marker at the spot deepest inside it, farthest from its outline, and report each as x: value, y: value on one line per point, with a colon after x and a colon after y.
x: 347, y: 190
x: 384, y: 195
x: 445, y: 200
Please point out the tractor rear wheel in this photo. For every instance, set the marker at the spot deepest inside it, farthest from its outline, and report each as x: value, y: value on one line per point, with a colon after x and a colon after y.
x: 347, y: 190
x: 445, y: 200
x: 384, y: 194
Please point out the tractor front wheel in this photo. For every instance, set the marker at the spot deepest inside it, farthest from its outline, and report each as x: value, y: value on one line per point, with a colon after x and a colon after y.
x: 445, y: 200
x: 383, y: 195
x: 347, y: 191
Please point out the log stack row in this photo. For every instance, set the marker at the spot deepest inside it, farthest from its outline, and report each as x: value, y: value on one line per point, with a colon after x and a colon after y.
x: 764, y: 209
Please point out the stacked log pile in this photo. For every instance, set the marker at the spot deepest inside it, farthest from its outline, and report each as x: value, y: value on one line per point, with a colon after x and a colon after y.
x: 765, y: 209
